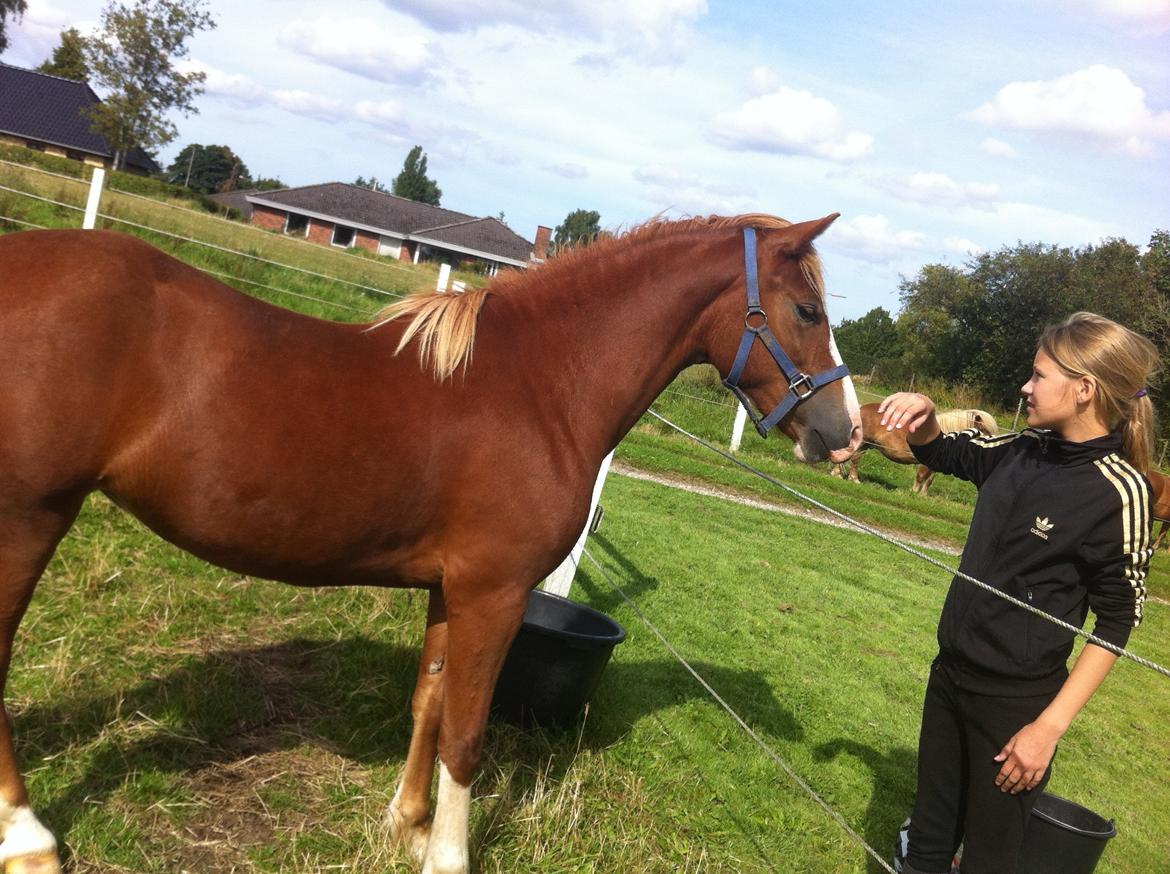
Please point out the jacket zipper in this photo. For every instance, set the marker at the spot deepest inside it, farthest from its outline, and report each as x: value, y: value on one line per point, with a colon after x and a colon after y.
x: 1028, y: 631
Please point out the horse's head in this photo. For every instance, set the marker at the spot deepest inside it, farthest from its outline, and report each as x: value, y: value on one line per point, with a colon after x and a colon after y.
x: 777, y: 352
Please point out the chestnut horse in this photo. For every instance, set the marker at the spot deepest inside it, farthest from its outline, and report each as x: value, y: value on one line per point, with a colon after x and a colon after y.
x: 1161, y: 507
x: 893, y: 444
x: 256, y: 438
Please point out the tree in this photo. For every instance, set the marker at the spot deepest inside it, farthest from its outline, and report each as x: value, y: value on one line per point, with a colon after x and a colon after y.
x: 412, y: 183
x: 209, y: 169
x: 132, y: 59
x: 372, y: 183
x: 871, y: 336
x: 580, y: 228
x: 267, y: 183
x: 10, y: 8
x: 68, y: 60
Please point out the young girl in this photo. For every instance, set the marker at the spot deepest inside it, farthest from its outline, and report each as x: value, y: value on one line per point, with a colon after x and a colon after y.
x: 1063, y: 523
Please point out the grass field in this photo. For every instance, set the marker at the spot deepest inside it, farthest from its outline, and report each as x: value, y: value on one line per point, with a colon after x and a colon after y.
x: 172, y: 717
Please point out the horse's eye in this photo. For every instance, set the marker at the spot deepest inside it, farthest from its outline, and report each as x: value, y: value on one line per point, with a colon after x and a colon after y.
x: 807, y: 313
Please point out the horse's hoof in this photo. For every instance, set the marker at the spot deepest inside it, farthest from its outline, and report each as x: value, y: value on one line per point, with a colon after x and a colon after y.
x: 34, y: 863
x: 413, y: 837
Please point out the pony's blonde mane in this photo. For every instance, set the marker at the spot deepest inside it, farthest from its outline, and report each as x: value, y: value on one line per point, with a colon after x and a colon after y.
x: 445, y: 323
x: 961, y: 420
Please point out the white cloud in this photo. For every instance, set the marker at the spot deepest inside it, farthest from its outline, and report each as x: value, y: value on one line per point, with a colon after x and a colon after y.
x: 232, y: 87
x: 363, y: 48
x: 763, y: 80
x: 312, y: 105
x: 998, y: 148
x: 792, y: 122
x: 31, y: 39
x: 939, y: 189
x: 1152, y: 14
x: 962, y: 246
x: 382, y: 114
x: 657, y: 30
x: 674, y: 191
x: 568, y: 170
x: 1098, y: 103
x: 872, y: 238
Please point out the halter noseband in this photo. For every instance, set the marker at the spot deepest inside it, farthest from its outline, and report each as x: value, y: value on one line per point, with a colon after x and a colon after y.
x: 800, y: 385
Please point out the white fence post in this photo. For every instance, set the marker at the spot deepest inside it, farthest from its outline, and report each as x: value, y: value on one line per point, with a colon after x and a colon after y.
x: 444, y: 277
x: 559, y: 581
x: 95, y: 195
x: 737, y: 428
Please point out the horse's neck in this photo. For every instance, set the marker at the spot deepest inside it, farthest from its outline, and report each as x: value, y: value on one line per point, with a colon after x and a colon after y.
x: 610, y: 336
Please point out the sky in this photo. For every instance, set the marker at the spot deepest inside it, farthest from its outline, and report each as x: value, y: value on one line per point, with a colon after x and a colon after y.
x: 938, y: 130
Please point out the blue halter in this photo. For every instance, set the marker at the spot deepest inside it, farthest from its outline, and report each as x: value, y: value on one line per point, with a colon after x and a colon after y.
x: 800, y: 385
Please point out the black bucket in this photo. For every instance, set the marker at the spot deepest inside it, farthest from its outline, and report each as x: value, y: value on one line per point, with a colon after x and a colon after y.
x: 555, y: 662
x: 1063, y: 838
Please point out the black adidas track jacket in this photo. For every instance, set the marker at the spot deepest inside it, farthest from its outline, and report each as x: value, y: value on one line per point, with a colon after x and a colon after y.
x: 1063, y: 526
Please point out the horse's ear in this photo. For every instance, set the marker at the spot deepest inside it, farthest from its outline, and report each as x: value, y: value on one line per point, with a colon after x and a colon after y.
x: 795, y: 239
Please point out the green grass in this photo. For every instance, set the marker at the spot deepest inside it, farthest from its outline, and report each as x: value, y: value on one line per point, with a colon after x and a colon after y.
x: 172, y: 716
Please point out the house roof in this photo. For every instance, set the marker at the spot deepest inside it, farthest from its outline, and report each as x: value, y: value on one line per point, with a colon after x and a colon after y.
x: 237, y: 199
x: 385, y: 213
x: 48, y: 109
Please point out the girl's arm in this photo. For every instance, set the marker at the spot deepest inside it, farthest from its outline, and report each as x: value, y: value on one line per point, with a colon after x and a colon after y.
x: 1027, y: 755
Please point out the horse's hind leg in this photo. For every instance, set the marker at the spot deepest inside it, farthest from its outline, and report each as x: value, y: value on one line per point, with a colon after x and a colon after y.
x: 409, y: 814
x: 27, y: 541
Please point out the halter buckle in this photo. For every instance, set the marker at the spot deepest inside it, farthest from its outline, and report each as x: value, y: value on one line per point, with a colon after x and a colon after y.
x: 803, y: 380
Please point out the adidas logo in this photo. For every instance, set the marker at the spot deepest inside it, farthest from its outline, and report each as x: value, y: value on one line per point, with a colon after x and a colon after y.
x: 1043, y: 526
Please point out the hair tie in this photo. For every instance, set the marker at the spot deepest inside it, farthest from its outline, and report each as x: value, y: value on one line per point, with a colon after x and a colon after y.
x: 1141, y: 393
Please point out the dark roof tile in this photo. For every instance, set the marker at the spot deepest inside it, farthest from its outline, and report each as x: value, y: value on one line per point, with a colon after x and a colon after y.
x: 48, y: 109
x: 398, y: 215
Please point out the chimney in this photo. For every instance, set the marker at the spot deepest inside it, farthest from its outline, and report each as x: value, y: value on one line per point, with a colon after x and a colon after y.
x: 540, y: 247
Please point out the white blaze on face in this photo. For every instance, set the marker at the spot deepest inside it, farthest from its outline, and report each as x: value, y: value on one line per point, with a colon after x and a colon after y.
x: 447, y: 850
x: 846, y: 384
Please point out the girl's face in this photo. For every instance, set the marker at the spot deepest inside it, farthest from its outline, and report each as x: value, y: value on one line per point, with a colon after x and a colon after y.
x: 1050, y: 395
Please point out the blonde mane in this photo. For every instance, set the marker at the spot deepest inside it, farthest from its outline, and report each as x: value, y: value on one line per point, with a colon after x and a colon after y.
x: 445, y: 324
x: 962, y: 420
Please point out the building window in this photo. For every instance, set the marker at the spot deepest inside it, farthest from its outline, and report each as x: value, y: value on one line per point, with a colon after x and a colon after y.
x: 343, y: 236
x: 296, y: 224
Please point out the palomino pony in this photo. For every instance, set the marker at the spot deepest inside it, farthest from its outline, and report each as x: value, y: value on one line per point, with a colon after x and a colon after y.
x: 1161, y: 508
x: 893, y: 444
x: 130, y: 373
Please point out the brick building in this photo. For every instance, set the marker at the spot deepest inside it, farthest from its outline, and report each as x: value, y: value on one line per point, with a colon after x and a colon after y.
x: 343, y: 215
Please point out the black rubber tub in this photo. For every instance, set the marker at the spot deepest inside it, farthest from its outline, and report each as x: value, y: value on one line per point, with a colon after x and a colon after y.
x: 1063, y: 838
x: 555, y: 662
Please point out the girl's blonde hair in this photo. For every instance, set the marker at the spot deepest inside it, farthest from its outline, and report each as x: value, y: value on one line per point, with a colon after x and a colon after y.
x: 1122, y: 363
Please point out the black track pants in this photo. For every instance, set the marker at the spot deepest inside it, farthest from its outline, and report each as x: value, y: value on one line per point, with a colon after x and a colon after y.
x: 958, y: 801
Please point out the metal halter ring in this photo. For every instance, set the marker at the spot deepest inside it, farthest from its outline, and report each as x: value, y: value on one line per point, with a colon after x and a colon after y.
x: 755, y: 329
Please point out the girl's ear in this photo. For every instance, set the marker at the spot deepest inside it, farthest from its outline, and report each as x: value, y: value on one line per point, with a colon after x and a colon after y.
x: 1086, y: 389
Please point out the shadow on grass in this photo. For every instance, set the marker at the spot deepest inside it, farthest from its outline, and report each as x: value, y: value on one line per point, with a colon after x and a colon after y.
x: 349, y: 697
x: 892, y: 796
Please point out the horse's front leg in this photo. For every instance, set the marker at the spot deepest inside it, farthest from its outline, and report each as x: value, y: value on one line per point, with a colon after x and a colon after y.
x: 481, y: 626
x: 409, y: 814
x: 27, y: 541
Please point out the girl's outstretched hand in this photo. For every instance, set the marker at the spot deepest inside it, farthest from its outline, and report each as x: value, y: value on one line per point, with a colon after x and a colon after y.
x: 910, y: 411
